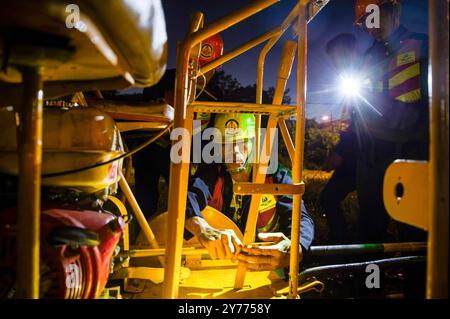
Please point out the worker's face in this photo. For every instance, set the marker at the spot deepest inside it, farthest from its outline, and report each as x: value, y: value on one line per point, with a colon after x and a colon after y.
x: 235, y: 154
x: 389, y: 22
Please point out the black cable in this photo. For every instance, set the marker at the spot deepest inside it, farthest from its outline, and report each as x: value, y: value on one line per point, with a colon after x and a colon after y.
x: 137, y: 149
x: 329, y: 270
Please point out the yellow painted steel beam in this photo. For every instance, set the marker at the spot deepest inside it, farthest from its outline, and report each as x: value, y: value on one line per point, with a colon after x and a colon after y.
x: 156, y: 275
x: 141, y: 253
x: 126, y: 233
x: 261, y: 168
x: 297, y: 165
x: 275, y: 189
x: 196, y: 23
x: 133, y: 126
x: 250, y: 227
x: 240, y: 107
x: 228, y: 21
x: 148, y: 233
x: 312, y: 9
x: 438, y: 239
x: 286, y: 138
x: 29, y: 134
x: 186, y: 251
x: 261, y: 59
x: 260, y: 74
x: 283, y: 75
x: 257, y: 142
x: 238, y: 51
x: 285, y: 67
x: 269, y: 45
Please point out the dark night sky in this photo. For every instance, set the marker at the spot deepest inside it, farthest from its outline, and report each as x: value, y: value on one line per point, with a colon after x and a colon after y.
x: 335, y: 18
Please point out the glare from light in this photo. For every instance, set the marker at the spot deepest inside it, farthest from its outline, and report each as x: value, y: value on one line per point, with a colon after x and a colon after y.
x: 354, y: 86
x: 325, y: 118
x: 349, y: 85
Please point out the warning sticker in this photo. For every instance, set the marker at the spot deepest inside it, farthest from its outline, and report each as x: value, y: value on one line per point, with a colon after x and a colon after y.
x: 406, y: 58
x: 268, y: 201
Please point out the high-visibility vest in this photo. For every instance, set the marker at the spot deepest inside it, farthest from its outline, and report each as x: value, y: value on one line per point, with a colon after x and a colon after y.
x: 396, y: 86
x: 398, y: 69
x: 267, y: 218
x: 404, y: 82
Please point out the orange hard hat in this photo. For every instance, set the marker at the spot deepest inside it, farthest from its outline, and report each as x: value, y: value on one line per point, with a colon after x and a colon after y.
x: 361, y: 5
x: 211, y: 49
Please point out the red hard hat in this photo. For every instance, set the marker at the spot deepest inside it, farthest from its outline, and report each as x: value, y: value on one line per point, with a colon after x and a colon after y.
x: 361, y: 5
x: 211, y: 49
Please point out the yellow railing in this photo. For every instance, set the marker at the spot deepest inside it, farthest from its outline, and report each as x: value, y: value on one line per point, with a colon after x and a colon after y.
x: 303, y: 12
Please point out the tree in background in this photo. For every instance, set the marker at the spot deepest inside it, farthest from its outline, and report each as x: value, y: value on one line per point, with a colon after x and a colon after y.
x: 233, y: 91
x: 319, y: 142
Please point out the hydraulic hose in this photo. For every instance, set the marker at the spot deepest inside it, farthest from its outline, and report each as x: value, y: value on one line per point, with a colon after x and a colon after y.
x: 356, y: 249
x: 352, y: 267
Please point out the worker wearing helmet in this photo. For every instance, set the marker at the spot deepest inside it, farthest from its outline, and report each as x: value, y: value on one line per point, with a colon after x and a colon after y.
x: 389, y: 17
x: 393, y: 119
x: 213, y: 185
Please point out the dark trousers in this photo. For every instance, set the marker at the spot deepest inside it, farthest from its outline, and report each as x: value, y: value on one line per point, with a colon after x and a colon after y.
x: 373, y: 218
x: 341, y: 183
x: 371, y: 167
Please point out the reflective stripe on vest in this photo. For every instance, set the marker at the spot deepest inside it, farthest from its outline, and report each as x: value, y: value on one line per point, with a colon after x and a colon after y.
x: 267, y: 218
x: 404, y: 72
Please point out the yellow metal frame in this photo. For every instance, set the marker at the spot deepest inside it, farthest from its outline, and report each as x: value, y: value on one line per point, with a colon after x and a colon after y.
x: 303, y: 12
x: 29, y: 202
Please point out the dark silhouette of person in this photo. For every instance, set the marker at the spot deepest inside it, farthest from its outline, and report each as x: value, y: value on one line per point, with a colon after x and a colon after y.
x: 343, y: 53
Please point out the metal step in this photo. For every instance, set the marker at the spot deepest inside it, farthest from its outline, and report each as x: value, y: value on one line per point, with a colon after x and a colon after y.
x: 280, y: 111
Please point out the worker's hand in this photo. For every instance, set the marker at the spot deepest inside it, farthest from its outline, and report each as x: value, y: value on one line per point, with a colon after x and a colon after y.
x: 268, y: 257
x: 221, y: 243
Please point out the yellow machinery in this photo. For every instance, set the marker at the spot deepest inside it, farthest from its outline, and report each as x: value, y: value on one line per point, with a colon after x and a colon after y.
x: 56, y: 48
x: 72, y: 139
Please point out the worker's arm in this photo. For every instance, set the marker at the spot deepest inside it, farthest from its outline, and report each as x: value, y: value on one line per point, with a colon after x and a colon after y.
x: 221, y: 243
x: 277, y: 254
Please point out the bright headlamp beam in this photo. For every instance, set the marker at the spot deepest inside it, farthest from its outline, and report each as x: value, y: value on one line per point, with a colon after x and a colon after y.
x: 349, y: 86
